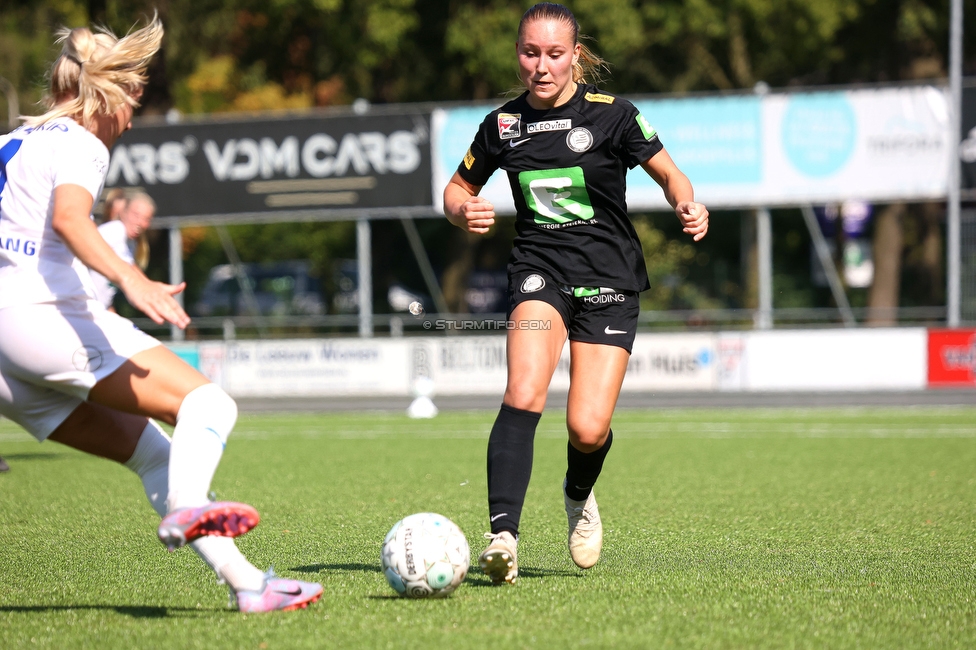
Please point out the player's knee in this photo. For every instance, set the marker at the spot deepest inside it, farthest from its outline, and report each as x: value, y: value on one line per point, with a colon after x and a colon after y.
x: 211, y: 407
x: 525, y: 398
x: 587, y: 436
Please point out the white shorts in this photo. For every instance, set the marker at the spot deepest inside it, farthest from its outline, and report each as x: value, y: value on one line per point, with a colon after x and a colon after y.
x: 51, y: 355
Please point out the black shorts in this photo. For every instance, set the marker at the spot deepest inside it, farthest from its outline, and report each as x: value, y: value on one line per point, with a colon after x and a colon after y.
x: 597, y: 315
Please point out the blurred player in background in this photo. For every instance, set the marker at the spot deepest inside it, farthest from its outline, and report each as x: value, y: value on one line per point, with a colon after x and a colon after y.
x: 72, y: 372
x: 113, y: 205
x: 576, y: 265
x: 126, y: 235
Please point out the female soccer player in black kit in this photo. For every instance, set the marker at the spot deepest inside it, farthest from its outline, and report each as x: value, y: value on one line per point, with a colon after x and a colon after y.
x: 576, y: 263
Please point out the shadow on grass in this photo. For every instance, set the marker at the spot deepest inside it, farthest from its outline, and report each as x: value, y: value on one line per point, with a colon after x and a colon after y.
x: 477, y: 579
x: 351, y: 566
x: 136, y: 611
x: 31, y: 456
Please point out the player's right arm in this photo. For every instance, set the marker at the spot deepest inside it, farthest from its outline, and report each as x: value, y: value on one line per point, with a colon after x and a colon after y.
x: 71, y: 221
x: 465, y: 209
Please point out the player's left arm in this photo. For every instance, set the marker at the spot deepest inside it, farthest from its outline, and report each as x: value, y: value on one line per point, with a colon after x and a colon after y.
x: 70, y: 220
x: 679, y: 193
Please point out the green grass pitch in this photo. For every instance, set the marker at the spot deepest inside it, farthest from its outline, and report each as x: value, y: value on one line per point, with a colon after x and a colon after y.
x: 821, y: 528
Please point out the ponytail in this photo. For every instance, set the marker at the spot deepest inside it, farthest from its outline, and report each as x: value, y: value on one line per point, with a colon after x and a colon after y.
x: 589, y: 68
x: 98, y: 73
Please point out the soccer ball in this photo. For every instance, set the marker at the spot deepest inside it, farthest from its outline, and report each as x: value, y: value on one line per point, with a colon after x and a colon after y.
x: 425, y: 556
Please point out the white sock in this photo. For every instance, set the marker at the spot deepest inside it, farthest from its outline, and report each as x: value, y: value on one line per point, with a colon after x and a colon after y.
x: 150, y: 461
x: 206, y: 417
x: 229, y: 564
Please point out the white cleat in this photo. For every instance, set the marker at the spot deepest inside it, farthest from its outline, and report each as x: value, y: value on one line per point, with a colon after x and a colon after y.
x: 585, y: 530
x: 499, y: 561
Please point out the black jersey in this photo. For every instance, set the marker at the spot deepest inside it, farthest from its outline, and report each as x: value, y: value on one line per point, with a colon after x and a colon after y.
x: 568, y: 170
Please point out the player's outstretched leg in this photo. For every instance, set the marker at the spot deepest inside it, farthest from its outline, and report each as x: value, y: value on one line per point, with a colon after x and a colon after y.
x: 205, y: 420
x: 510, y: 447
x: 251, y: 590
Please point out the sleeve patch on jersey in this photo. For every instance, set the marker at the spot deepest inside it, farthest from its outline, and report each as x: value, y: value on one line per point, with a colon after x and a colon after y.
x: 509, y: 125
x: 645, y: 127
x: 599, y: 98
x: 468, y: 159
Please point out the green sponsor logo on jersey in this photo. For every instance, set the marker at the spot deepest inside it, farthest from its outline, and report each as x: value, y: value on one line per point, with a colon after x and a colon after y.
x: 645, y: 127
x: 582, y: 292
x: 556, y: 195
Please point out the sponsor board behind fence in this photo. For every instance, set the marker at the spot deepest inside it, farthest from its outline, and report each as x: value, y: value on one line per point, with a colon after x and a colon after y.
x: 315, y: 367
x: 827, y: 360
x: 472, y: 365
x: 779, y: 149
x: 199, y: 172
x: 477, y: 364
x: 952, y: 358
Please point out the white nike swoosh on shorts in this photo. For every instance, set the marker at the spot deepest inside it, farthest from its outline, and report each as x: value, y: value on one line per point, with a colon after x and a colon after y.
x: 607, y: 330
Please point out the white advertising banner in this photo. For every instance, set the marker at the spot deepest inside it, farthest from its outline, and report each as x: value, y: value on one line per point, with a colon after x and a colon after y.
x: 829, y: 360
x: 322, y: 367
x: 665, y: 362
x: 461, y: 365
x: 881, y: 144
x: 469, y: 365
x: 807, y: 360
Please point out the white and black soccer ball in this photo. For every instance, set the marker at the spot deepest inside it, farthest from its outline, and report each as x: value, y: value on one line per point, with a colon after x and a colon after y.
x: 425, y: 556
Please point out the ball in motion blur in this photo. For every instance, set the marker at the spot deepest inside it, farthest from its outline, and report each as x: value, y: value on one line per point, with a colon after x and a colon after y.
x: 425, y: 556
x: 416, y: 308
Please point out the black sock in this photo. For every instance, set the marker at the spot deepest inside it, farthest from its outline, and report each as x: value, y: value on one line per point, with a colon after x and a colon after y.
x: 509, y: 466
x: 584, y: 469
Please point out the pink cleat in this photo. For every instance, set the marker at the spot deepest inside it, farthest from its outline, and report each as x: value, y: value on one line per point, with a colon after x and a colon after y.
x: 279, y: 594
x: 218, y: 518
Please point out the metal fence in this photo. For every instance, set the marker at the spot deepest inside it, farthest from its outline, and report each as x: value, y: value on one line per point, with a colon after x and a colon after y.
x: 967, y: 271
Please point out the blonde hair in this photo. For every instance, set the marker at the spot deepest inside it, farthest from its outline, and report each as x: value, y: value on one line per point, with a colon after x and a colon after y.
x: 98, y: 73
x: 589, y: 67
x: 141, y: 255
x: 142, y: 197
x: 111, y: 198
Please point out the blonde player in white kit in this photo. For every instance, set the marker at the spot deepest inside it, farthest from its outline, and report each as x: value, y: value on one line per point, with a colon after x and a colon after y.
x: 123, y: 236
x: 72, y: 372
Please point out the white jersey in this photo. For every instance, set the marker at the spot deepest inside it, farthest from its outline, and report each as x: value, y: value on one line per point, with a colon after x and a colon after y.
x: 114, y: 234
x: 35, y: 264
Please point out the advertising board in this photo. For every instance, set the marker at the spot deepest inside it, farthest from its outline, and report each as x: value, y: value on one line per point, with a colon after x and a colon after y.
x: 834, y: 360
x: 314, y: 367
x: 777, y: 149
x: 952, y: 358
x: 229, y: 170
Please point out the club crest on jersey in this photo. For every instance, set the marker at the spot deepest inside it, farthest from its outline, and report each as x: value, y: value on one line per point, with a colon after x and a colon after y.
x: 579, y: 139
x: 509, y: 125
x: 549, y: 125
x: 533, y: 283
